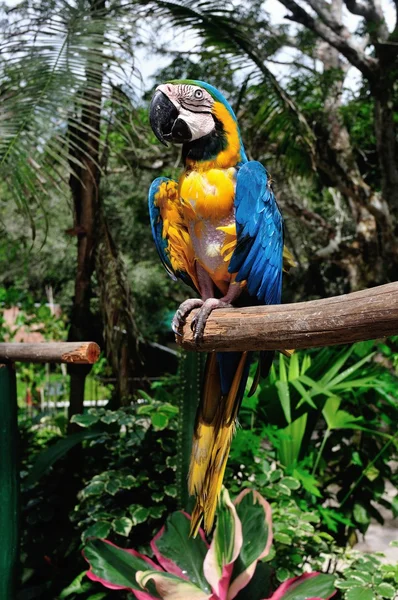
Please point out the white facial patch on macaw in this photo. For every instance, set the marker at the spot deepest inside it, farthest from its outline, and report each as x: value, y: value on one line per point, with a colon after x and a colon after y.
x: 200, y: 124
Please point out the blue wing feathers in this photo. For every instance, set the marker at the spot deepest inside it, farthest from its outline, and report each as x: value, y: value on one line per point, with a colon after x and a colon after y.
x: 258, y: 255
x: 157, y: 226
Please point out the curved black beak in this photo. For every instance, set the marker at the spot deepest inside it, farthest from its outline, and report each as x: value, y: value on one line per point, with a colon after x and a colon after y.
x: 162, y: 116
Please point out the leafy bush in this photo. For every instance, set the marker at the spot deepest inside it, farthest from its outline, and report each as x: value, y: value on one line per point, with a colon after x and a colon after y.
x: 133, y: 461
x: 122, y: 475
x: 189, y: 568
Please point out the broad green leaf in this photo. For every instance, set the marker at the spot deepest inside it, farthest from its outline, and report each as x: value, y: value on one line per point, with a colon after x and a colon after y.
x: 138, y: 513
x: 359, y: 593
x: 360, y: 514
x: 94, y: 488
x: 305, y: 397
x: 316, y: 387
x: 156, y: 511
x: 291, y: 483
x: 348, y: 372
x: 282, y: 574
x: 294, y: 367
x: 159, y: 420
x: 282, y: 368
x: 113, y: 486
x: 276, y: 475
x: 110, y: 564
x: 337, y: 365
x: 109, y: 417
x: 78, y: 586
x: 85, y: 420
x: 386, y: 590
x: 100, y: 529
x: 259, y: 586
x: 48, y: 457
x: 284, y: 398
x: 171, y: 490
x: 254, y: 514
x: 307, y: 586
x: 122, y: 526
x: 283, y: 489
x: 371, y: 473
x: 335, y: 418
x: 179, y: 553
x: 282, y: 538
x: 290, y: 440
x: 226, y: 542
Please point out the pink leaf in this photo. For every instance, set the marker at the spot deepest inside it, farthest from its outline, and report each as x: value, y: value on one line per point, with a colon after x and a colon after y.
x: 181, y: 549
x: 108, y: 584
x: 243, y: 578
x: 291, y: 584
x: 170, y: 587
x: 219, y: 574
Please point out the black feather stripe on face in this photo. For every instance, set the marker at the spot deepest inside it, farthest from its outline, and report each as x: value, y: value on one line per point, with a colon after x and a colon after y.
x: 208, y: 146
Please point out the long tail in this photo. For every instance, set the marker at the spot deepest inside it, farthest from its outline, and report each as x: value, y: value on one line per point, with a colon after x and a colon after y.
x: 225, y: 380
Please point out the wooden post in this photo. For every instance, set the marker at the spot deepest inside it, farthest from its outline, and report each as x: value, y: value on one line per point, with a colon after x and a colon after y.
x: 9, y: 484
x: 365, y: 315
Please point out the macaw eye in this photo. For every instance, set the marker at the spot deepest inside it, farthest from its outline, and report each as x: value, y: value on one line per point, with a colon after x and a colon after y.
x: 198, y: 94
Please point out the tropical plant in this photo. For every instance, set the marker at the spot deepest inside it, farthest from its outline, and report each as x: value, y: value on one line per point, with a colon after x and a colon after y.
x: 326, y: 420
x: 189, y: 568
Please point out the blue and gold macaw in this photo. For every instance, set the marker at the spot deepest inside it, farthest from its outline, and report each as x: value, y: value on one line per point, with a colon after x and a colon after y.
x: 219, y: 229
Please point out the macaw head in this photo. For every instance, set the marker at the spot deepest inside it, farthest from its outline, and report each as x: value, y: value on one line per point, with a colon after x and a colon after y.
x: 197, y: 115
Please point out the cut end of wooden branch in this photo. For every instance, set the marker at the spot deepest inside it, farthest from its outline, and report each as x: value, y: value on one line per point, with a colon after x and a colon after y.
x: 87, y: 353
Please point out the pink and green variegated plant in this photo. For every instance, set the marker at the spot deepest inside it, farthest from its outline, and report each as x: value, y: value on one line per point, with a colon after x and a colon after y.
x: 190, y: 569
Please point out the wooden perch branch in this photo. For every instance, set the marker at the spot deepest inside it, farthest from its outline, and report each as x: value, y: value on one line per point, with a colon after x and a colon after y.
x: 355, y: 317
x: 85, y: 353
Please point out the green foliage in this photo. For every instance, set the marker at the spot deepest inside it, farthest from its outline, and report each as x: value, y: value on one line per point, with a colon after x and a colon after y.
x: 368, y: 578
x: 127, y: 492
x: 328, y: 416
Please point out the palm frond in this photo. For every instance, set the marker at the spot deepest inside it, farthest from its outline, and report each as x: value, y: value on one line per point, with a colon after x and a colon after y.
x: 58, y: 62
x: 222, y: 29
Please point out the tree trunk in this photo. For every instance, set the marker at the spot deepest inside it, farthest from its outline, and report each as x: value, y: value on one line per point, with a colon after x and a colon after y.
x: 120, y: 331
x: 364, y: 259
x: 84, y: 182
x: 386, y: 107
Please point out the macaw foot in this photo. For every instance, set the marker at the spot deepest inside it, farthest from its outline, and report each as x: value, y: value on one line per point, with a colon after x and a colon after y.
x: 198, y: 323
x: 183, y: 311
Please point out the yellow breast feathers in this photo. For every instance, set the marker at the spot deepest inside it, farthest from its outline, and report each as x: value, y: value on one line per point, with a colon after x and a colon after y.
x: 208, y: 195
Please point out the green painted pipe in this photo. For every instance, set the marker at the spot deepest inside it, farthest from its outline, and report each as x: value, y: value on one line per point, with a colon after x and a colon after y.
x: 9, y: 484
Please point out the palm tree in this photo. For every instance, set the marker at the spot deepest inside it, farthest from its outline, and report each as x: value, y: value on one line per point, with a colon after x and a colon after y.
x: 57, y: 100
